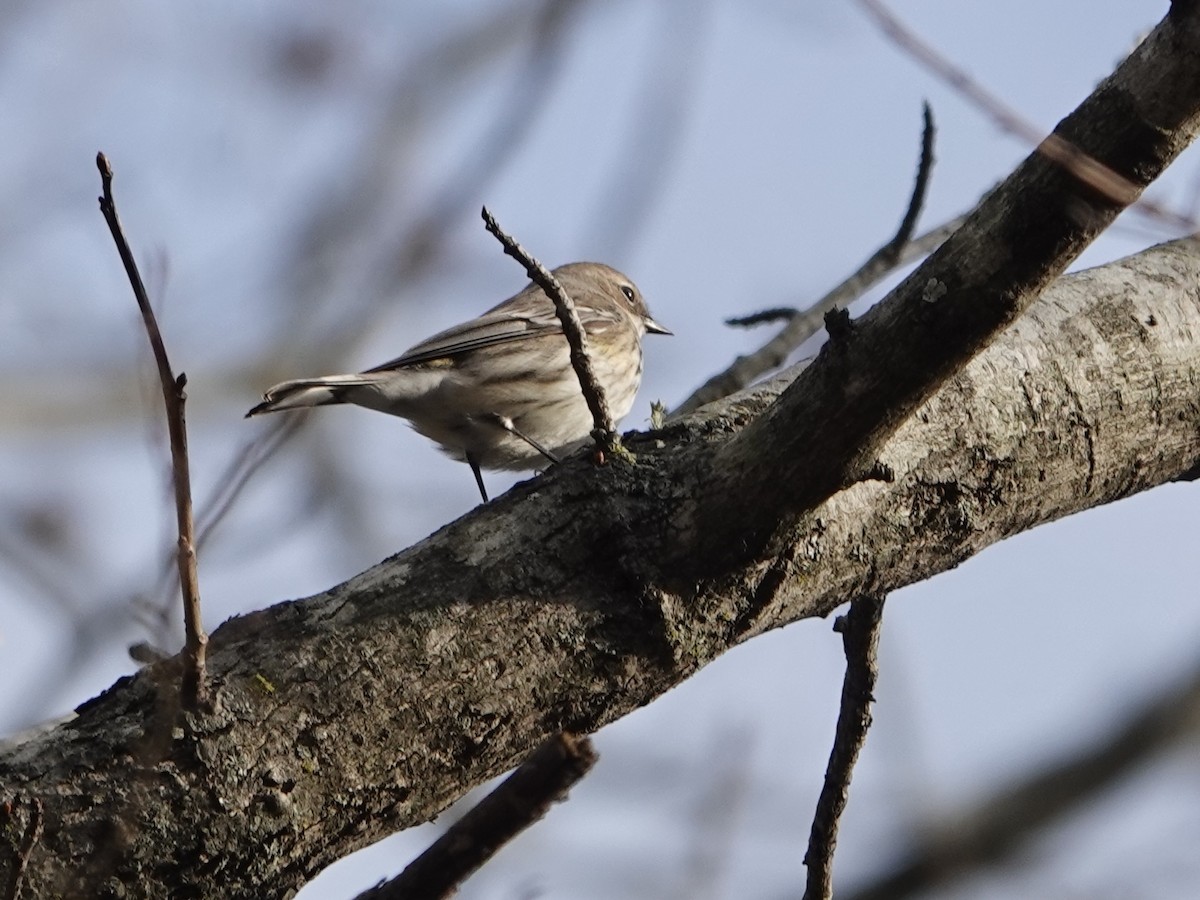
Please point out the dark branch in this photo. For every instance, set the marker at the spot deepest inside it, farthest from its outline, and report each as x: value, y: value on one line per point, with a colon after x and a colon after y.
x: 803, y: 325
x: 604, y: 430
x: 194, y: 690
x: 860, y: 638
x: 1015, y: 243
x: 920, y: 188
x: 519, y: 801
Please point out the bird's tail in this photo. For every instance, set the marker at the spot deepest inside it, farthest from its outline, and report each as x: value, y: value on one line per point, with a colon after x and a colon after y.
x: 306, y: 392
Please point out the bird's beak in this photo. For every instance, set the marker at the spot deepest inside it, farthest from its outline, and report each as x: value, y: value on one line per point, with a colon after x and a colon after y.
x: 654, y: 328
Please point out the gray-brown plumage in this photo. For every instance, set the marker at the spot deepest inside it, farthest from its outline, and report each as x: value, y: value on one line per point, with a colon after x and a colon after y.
x: 499, y: 391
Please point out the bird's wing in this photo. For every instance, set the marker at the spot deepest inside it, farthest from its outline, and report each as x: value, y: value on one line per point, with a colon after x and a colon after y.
x: 494, y: 327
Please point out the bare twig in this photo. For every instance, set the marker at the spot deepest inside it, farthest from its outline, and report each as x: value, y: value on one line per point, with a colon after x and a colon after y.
x: 1089, y: 171
x: 655, y: 130
x: 29, y: 839
x: 604, y: 430
x: 902, y: 248
x: 194, y: 690
x: 916, y: 202
x: 860, y: 638
x: 519, y: 801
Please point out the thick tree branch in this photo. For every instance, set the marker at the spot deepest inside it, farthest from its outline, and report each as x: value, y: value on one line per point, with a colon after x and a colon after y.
x: 1020, y: 237
x: 371, y: 707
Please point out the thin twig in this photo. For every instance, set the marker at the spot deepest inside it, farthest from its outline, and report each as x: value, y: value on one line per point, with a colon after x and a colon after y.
x: 764, y: 317
x: 1110, y: 184
x: 153, y: 608
x: 604, y: 430
x: 860, y: 639
x: 519, y: 801
x: 29, y: 839
x: 902, y: 248
x: 194, y: 691
x: 240, y: 471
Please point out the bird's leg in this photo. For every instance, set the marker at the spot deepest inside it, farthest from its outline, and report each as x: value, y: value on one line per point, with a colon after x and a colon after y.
x: 478, y: 476
x: 507, y: 424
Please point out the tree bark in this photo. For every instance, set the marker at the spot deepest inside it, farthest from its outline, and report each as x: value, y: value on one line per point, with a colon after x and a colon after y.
x: 585, y: 593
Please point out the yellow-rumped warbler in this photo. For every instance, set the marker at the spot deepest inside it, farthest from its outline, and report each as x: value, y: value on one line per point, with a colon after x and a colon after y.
x: 499, y: 391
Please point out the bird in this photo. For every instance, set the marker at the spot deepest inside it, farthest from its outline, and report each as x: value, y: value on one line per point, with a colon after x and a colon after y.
x: 498, y: 391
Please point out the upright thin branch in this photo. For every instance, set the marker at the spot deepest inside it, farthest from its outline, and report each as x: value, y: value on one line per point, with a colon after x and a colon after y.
x: 519, y: 801
x: 194, y: 690
x: 860, y: 639
x: 604, y: 430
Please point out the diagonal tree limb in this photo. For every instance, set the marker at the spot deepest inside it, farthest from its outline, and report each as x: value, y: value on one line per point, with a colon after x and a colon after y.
x: 519, y: 801
x: 1019, y: 238
x: 349, y: 715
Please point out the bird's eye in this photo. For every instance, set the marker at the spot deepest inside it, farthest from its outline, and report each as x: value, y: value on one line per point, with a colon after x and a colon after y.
x: 627, y: 290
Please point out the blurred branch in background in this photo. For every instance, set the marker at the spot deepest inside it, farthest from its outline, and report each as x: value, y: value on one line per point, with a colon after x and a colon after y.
x: 1000, y: 825
x: 340, y: 258
x: 657, y: 130
x: 1099, y: 177
x: 515, y: 804
x: 154, y: 611
x: 717, y: 814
